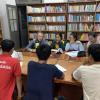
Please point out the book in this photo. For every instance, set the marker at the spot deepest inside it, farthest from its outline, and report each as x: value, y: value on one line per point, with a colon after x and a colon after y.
x: 90, y: 8
x: 98, y: 7
x: 72, y: 53
x: 97, y: 17
x: 60, y: 68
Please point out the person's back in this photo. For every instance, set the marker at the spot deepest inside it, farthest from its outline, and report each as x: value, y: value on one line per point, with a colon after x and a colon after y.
x: 40, y: 81
x: 89, y: 75
x: 40, y: 76
x: 10, y: 72
x: 90, y: 78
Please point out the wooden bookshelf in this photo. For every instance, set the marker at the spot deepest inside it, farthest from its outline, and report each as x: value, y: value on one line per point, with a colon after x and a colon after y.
x: 83, y: 19
x: 49, y: 13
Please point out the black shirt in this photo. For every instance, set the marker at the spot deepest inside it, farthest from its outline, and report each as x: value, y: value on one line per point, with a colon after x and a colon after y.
x: 40, y: 81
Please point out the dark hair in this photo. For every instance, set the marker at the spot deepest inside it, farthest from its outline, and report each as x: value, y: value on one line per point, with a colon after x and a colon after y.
x: 43, y: 52
x: 60, y: 35
x: 92, y: 34
x: 74, y: 35
x: 7, y: 45
x: 94, y: 51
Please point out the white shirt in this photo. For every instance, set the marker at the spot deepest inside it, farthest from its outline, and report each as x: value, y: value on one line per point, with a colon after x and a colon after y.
x: 77, y: 46
x: 90, y: 78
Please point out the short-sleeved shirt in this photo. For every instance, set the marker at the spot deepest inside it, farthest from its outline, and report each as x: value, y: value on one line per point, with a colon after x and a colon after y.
x: 90, y: 78
x: 9, y: 70
x: 77, y: 46
x: 40, y: 81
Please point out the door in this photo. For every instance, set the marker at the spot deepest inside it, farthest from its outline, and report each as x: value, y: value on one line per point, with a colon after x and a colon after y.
x: 13, y: 25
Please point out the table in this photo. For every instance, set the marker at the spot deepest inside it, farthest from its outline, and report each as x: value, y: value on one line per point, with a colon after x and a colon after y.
x: 69, y: 88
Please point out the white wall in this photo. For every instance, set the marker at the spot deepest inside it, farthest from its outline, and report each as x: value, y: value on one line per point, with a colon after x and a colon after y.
x: 4, y: 18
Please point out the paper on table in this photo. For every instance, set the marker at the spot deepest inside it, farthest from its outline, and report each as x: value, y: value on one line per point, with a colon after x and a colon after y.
x: 72, y: 53
x: 60, y: 68
x: 17, y: 55
x: 54, y: 50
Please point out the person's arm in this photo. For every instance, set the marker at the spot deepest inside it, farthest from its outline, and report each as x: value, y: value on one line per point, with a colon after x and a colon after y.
x: 67, y: 47
x: 57, y: 73
x: 17, y: 74
x: 76, y: 74
x: 19, y: 87
x: 30, y: 45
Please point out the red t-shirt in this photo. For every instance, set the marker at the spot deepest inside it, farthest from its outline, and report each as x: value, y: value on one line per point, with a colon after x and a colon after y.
x: 9, y: 70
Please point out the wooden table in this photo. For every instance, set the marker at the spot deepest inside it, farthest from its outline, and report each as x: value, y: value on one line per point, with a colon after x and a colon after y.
x: 67, y: 87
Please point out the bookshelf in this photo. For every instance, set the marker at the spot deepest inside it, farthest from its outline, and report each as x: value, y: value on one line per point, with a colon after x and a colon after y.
x: 77, y: 16
x: 83, y: 17
x: 47, y: 18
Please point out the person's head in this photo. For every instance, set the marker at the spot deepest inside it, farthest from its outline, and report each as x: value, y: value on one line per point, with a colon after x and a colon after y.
x: 94, y: 52
x: 92, y: 37
x: 40, y: 36
x: 43, y: 52
x: 7, y: 45
x: 73, y: 37
x: 58, y: 37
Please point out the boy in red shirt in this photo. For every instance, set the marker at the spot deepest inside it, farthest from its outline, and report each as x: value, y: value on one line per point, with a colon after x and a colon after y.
x: 10, y: 72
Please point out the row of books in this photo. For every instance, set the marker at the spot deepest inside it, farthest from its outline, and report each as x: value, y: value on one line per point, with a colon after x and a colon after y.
x: 71, y: 18
x: 48, y: 36
x: 36, y: 27
x: 31, y: 9
x: 48, y: 19
x: 56, y: 28
x: 52, y: 36
x: 55, y: 9
x: 80, y: 18
x: 80, y: 27
x: 47, y: 28
x: 48, y: 9
x: 55, y: 19
x: 36, y: 19
x: 71, y: 8
x: 82, y: 8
